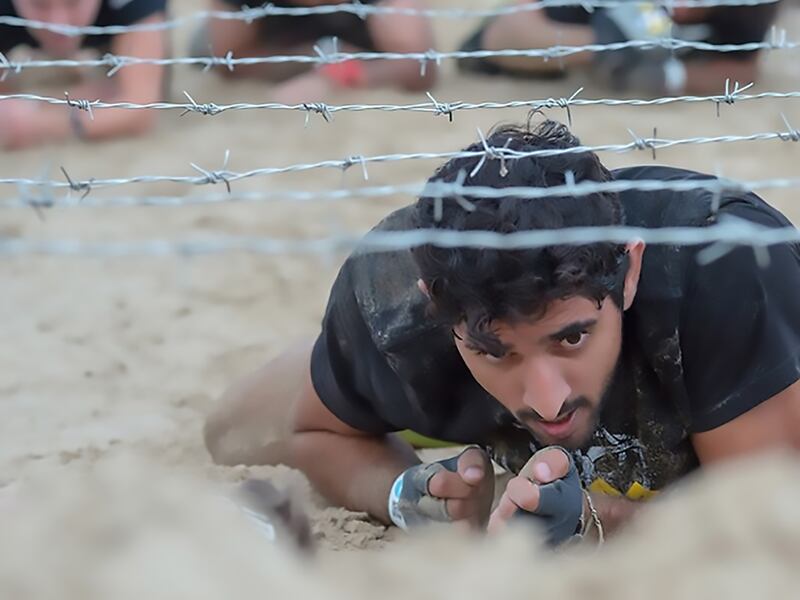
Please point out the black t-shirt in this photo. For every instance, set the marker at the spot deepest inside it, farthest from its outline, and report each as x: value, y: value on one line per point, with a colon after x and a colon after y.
x: 701, y: 346
x: 112, y: 12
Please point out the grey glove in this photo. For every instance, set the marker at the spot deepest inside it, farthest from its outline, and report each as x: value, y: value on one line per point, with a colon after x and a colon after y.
x: 560, y: 503
x: 410, y: 502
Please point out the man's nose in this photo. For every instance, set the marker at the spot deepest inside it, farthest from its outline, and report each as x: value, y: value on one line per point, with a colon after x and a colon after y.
x: 546, y: 390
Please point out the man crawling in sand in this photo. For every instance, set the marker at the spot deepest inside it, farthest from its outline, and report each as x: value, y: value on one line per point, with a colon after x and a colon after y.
x: 598, y: 373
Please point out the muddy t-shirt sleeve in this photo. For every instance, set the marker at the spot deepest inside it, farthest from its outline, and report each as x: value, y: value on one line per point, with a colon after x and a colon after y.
x: 740, y: 328
x: 344, y: 360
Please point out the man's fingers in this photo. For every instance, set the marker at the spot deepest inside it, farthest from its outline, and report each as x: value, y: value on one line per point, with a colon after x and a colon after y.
x: 473, y: 465
x: 504, y: 511
x: 446, y: 484
x: 547, y: 465
x: 523, y: 494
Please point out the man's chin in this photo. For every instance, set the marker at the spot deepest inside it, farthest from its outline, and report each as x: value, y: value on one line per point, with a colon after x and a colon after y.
x: 575, y: 441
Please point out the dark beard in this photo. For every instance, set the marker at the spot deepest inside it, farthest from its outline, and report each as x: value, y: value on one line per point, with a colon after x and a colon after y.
x: 610, y: 398
x: 609, y: 393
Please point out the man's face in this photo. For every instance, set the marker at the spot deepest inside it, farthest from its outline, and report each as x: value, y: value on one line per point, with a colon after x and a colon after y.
x: 79, y: 13
x: 556, y: 370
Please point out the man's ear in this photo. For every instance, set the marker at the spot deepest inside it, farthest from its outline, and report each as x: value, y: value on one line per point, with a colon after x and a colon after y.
x: 423, y: 288
x: 635, y: 251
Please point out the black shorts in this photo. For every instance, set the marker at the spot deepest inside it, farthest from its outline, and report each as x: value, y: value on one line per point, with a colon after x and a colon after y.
x: 574, y: 15
x: 287, y: 29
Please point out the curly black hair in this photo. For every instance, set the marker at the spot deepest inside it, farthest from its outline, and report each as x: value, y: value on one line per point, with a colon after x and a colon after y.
x: 477, y: 286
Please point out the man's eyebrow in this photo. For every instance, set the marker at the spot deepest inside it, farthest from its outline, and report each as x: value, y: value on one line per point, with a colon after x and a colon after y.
x: 572, y: 328
x: 471, y: 345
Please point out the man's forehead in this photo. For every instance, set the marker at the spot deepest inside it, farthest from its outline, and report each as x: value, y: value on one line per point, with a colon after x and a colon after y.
x: 558, y: 314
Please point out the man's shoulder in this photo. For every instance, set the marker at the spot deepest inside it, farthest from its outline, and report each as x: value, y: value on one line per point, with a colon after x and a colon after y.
x: 694, y: 207
x: 384, y: 285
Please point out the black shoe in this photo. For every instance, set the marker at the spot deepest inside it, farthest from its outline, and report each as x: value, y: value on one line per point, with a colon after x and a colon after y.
x: 474, y: 43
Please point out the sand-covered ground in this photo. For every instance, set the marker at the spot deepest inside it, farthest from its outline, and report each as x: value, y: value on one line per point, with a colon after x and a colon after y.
x: 108, y: 365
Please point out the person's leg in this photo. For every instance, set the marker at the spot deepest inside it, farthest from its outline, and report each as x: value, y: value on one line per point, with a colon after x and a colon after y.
x: 275, y: 35
x: 402, y: 34
x: 254, y: 419
x: 531, y: 30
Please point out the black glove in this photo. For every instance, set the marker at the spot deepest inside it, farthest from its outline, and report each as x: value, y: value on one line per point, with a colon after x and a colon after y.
x: 560, y: 503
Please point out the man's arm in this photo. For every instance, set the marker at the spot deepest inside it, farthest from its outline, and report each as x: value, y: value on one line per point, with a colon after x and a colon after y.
x: 401, y: 34
x: 276, y: 416
x: 773, y: 424
x: 137, y: 83
x: 28, y: 124
x: 349, y: 467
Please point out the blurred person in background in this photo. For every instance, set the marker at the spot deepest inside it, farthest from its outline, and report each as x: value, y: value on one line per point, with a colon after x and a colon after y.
x: 342, y: 31
x: 25, y: 123
x: 657, y: 71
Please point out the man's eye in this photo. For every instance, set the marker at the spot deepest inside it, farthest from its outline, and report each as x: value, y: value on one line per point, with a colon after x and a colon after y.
x: 485, y: 355
x: 574, y: 340
x: 492, y: 358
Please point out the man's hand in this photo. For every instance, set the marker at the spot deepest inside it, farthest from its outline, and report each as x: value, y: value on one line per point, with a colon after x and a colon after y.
x: 457, y: 489
x: 17, y: 124
x: 547, y: 489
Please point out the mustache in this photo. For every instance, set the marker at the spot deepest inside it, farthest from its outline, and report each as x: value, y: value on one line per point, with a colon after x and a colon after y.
x: 527, y: 415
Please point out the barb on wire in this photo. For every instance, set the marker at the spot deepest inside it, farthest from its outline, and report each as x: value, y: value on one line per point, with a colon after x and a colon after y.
x: 117, y: 62
x: 204, y: 109
x: 317, y: 107
x: 503, y: 154
x: 80, y: 104
x: 465, y: 204
x: 731, y: 233
x: 248, y: 14
x: 214, y: 177
x: 6, y: 66
x: 491, y: 153
x: 564, y: 103
x: 730, y: 96
x: 84, y: 187
x: 351, y: 160
x: 434, y: 106
x: 791, y: 134
x: 111, y: 60
x: 441, y: 108
x: 645, y: 144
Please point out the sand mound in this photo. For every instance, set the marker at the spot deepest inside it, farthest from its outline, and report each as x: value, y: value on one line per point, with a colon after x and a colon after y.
x: 131, y: 529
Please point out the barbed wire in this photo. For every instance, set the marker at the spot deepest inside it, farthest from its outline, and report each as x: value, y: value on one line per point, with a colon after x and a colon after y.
x: 117, y: 62
x: 723, y: 237
x: 436, y: 107
x: 717, y: 187
x: 489, y: 153
x: 362, y: 11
